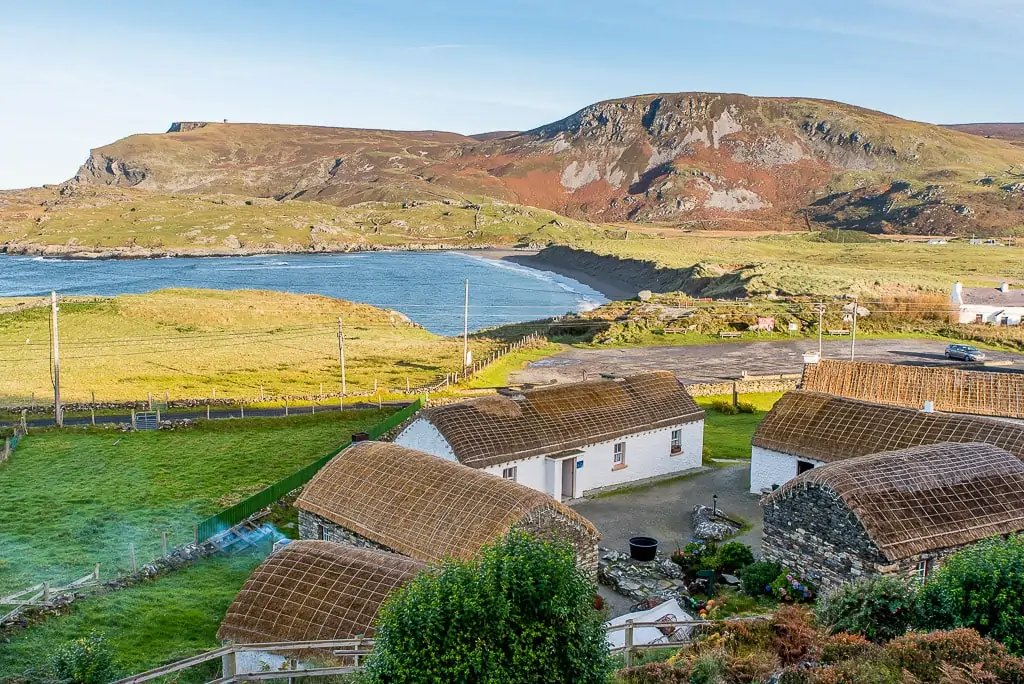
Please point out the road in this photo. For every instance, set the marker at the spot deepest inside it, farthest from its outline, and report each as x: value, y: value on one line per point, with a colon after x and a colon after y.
x: 716, y: 362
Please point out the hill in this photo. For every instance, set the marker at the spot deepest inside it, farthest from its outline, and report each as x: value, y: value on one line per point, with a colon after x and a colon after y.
x: 1011, y: 132
x: 686, y: 159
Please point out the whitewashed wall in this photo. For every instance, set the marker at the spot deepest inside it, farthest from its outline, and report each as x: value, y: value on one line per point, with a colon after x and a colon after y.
x: 769, y: 468
x: 991, y: 314
x: 532, y: 472
x: 422, y: 435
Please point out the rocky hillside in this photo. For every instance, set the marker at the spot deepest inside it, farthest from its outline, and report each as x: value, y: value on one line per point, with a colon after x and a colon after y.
x: 689, y: 159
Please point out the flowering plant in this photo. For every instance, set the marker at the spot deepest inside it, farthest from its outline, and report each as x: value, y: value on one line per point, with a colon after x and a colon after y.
x: 792, y: 587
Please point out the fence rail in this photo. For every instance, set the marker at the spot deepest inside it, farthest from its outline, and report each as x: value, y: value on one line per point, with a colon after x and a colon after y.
x: 230, y: 517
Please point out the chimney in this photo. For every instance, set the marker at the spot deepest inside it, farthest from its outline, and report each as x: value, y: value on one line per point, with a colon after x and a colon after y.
x: 958, y: 291
x: 1004, y: 287
x: 929, y: 407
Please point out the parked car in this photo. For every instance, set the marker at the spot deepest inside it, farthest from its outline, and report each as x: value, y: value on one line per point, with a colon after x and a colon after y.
x: 964, y: 352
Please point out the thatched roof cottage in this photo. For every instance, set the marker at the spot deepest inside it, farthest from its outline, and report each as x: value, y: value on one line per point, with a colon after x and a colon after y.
x: 573, y: 439
x: 384, y: 496
x: 805, y: 430
x: 981, y: 393
x: 899, y: 513
x: 315, y: 590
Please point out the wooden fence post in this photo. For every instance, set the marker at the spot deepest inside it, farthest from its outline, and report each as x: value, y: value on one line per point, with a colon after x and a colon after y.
x: 149, y: 401
x: 163, y: 542
x: 241, y: 408
x: 207, y: 412
x: 285, y: 408
x: 629, y: 643
x: 312, y: 406
x: 158, y: 418
x: 96, y: 573
x: 195, y: 535
x: 228, y: 664
x: 24, y: 422
x: 46, y: 592
x: 92, y: 416
x: 131, y: 552
x: 133, y: 419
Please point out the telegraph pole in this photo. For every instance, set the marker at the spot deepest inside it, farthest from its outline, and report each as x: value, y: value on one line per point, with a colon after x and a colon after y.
x: 341, y: 354
x: 54, y: 338
x: 853, y: 338
x: 465, y: 332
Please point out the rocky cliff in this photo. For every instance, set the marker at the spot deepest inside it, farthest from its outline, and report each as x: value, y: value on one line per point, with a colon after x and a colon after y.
x: 687, y: 159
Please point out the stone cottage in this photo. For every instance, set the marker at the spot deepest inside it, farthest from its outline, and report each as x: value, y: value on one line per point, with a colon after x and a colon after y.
x: 805, y: 430
x: 573, y: 439
x: 949, y: 389
x: 385, y: 496
x: 896, y: 513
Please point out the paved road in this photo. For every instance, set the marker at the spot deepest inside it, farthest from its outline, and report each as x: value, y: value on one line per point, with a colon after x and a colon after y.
x: 716, y: 362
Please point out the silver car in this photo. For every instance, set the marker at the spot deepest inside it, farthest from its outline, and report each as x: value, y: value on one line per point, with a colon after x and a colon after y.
x: 964, y: 352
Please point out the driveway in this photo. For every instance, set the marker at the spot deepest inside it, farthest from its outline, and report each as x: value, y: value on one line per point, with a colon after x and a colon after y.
x: 664, y: 510
x: 716, y: 362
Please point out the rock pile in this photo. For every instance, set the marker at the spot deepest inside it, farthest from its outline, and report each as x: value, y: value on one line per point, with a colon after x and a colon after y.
x: 712, y: 526
x: 651, y: 582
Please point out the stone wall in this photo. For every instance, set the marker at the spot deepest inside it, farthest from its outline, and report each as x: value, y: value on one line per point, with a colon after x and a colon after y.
x: 742, y: 387
x: 547, y: 523
x: 309, y: 524
x: 812, y: 532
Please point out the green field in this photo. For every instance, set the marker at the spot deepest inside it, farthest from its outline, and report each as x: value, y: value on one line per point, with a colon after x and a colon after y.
x: 77, y: 497
x: 728, y: 437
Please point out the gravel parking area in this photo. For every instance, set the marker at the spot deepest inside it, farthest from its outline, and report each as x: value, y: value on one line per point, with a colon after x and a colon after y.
x: 716, y: 362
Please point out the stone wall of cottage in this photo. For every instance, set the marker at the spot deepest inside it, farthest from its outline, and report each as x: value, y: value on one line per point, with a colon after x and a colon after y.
x: 812, y: 532
x: 549, y: 524
x: 309, y: 528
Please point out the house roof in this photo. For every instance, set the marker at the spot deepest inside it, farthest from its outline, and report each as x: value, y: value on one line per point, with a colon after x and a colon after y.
x: 829, y: 428
x: 315, y: 590
x: 421, y: 505
x: 992, y: 296
x: 496, y: 429
x: 952, y: 390
x: 924, y: 498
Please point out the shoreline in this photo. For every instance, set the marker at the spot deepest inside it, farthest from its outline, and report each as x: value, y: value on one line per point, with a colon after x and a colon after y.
x: 612, y: 288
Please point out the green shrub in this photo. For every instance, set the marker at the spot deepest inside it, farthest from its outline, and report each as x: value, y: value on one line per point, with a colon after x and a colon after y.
x: 877, y: 608
x: 86, y: 660
x: 520, y: 612
x: 746, y: 407
x: 982, y: 587
x: 708, y: 668
x: 735, y: 555
x: 724, y: 406
x: 791, y: 587
x: 757, y: 578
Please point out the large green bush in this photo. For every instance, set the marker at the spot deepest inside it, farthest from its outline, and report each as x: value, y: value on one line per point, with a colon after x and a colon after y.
x: 86, y: 660
x: 734, y: 555
x: 877, y: 608
x: 756, y: 578
x: 982, y: 587
x: 521, y: 612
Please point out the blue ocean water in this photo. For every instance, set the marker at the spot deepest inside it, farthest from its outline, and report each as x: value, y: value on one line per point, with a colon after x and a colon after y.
x: 426, y: 286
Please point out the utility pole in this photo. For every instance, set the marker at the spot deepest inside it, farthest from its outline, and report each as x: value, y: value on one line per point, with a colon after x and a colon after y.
x: 853, y: 338
x: 341, y: 355
x: 465, y: 332
x: 821, y: 316
x: 54, y: 338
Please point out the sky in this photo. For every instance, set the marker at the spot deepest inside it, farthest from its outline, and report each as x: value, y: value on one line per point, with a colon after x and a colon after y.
x: 78, y: 75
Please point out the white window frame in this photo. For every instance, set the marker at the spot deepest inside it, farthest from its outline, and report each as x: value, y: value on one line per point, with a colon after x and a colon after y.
x: 510, y: 473
x: 924, y: 568
x: 322, y: 532
x: 676, y: 441
x: 619, y: 454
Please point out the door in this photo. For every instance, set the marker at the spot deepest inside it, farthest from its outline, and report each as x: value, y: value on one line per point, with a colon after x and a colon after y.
x: 568, y: 479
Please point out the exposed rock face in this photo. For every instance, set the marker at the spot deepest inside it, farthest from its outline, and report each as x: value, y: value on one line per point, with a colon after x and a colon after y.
x: 705, y: 158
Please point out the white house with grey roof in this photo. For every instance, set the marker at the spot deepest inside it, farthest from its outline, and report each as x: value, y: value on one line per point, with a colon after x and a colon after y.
x: 1001, y: 305
x: 573, y: 439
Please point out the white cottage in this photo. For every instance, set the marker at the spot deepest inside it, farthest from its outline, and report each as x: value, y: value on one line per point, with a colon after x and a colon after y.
x: 805, y: 430
x: 570, y: 440
x: 999, y: 305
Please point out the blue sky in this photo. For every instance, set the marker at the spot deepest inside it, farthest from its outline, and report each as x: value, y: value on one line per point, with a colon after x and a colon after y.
x: 77, y: 75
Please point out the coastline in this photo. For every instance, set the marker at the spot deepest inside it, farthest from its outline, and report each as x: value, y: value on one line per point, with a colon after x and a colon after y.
x: 611, y: 287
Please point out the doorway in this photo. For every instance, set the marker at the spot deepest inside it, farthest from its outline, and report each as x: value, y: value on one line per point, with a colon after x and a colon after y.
x: 568, y: 479
x: 803, y: 466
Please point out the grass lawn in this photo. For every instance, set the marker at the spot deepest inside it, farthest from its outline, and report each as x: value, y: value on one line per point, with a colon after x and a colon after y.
x: 496, y: 375
x: 76, y: 497
x: 148, y: 625
x: 728, y: 437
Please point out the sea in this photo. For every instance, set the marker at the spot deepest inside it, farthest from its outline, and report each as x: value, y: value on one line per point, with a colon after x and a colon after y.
x: 428, y: 287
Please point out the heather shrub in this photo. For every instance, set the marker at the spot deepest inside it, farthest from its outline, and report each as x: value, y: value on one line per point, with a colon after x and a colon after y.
x: 878, y: 608
x: 839, y: 647
x: 753, y: 666
x: 793, y: 635
x: 924, y: 654
x: 757, y: 578
x: 734, y: 555
x: 982, y: 587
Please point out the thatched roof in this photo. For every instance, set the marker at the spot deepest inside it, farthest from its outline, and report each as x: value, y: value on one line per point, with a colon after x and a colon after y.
x: 925, y: 498
x: 315, y: 590
x: 952, y: 390
x: 492, y: 430
x: 828, y: 428
x: 421, y: 505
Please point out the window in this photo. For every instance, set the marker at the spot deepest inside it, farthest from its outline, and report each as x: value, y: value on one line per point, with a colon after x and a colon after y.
x: 619, y: 454
x: 924, y: 568
x: 979, y: 318
x: 677, y: 441
x: 510, y: 473
x: 323, y: 533
x: 803, y: 466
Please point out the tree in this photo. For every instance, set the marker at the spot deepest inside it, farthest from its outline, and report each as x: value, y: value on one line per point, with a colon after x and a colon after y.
x: 521, y: 612
x: 981, y: 586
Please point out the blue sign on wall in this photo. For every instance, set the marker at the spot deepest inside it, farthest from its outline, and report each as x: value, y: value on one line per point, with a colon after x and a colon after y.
x: 579, y: 464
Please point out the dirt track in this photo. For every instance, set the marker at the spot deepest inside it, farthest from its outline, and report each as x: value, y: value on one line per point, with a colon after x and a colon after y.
x: 715, y: 362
